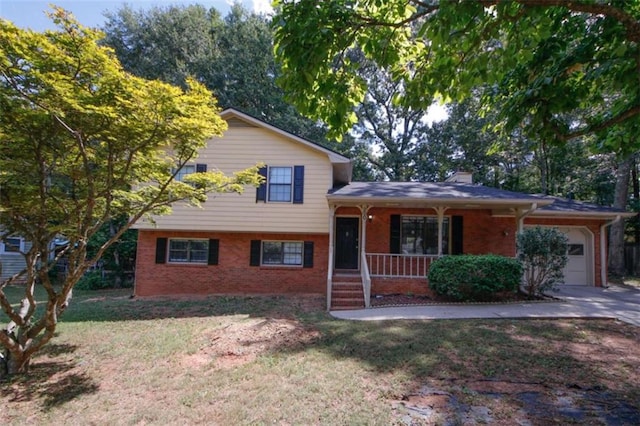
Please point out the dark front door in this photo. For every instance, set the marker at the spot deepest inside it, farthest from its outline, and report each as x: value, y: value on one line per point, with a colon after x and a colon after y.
x: 347, y: 242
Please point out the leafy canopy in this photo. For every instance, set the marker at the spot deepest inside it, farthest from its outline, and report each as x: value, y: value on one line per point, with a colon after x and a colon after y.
x: 548, y: 62
x: 83, y: 142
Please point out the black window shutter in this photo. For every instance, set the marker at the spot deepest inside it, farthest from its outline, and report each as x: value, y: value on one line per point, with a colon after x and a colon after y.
x: 254, y: 258
x: 394, y: 235
x: 261, y: 191
x: 456, y: 235
x: 201, y: 168
x: 298, y: 184
x: 308, y: 254
x: 214, y: 250
x: 161, y: 250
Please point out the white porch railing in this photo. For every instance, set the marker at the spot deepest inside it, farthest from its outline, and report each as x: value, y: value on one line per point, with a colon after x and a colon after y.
x: 366, y: 280
x: 399, y: 265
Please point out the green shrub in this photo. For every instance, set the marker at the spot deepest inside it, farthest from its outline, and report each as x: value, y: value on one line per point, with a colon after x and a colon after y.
x: 474, y: 277
x: 92, y: 280
x: 543, y: 253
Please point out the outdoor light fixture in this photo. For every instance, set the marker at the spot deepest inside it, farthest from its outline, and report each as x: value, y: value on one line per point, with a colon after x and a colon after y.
x: 370, y: 217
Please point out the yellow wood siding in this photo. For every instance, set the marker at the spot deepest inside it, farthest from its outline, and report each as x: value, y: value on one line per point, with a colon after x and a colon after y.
x: 243, y: 147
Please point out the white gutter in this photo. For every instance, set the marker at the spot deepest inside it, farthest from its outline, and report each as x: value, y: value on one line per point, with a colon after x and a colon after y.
x: 603, y: 250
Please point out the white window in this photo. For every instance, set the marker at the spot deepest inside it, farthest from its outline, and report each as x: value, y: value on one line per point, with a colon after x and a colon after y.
x: 280, y: 184
x: 12, y: 245
x: 282, y: 253
x: 420, y: 235
x: 185, y: 170
x: 188, y: 251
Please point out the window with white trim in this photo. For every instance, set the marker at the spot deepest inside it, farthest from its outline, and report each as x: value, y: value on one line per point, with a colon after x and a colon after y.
x: 12, y: 245
x: 419, y: 235
x: 184, y: 171
x: 282, y: 253
x: 188, y: 169
x: 188, y: 251
x: 280, y: 184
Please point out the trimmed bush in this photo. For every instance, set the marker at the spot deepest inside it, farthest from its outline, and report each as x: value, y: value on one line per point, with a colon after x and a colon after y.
x: 543, y: 253
x: 474, y: 277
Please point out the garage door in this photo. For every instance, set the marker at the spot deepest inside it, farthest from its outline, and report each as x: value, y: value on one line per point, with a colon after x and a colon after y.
x: 577, y: 271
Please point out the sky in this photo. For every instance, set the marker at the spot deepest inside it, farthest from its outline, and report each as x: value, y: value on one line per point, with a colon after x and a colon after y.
x: 31, y: 13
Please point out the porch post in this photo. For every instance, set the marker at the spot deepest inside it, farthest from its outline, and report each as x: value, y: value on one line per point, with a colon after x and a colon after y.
x: 364, y: 212
x: 364, y: 268
x: 332, y: 215
x: 440, y: 212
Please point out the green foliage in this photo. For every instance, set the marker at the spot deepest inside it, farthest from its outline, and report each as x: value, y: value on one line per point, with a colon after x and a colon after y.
x: 232, y: 56
x: 543, y: 253
x: 557, y: 71
x: 82, y: 143
x: 474, y: 277
x: 92, y: 280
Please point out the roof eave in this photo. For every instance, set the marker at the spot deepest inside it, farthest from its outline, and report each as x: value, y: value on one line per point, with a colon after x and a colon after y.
x: 541, y: 214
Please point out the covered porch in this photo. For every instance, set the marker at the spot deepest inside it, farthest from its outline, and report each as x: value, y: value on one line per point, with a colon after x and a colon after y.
x: 384, y: 236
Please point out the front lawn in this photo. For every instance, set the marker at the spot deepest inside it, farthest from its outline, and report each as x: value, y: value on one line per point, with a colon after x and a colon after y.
x: 283, y: 360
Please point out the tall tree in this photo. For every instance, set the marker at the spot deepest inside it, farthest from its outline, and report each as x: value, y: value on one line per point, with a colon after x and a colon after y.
x: 392, y: 132
x: 231, y: 56
x: 547, y: 60
x: 83, y: 142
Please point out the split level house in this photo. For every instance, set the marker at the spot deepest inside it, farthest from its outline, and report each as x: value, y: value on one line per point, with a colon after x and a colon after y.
x: 310, y: 229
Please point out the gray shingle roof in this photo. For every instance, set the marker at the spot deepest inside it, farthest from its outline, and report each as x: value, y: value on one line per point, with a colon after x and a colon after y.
x: 426, y: 190
x: 459, y: 193
x: 561, y: 205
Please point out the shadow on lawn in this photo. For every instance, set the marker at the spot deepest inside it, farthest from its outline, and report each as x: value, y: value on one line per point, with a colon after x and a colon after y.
x: 550, y: 371
x: 125, y: 308
x: 51, y: 382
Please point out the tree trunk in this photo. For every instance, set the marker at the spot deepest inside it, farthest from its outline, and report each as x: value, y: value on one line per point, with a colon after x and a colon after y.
x: 14, y: 363
x: 616, y: 235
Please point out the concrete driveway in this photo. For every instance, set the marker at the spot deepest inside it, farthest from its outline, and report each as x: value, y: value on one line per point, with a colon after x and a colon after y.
x: 617, y: 302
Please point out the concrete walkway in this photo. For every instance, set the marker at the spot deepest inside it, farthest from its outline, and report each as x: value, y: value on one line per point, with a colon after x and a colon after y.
x: 618, y: 302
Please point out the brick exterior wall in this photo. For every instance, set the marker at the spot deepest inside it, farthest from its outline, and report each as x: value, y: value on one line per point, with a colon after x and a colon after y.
x: 232, y: 274
x: 482, y: 234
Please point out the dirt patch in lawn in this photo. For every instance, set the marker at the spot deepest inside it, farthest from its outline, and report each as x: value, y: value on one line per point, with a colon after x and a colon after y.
x: 242, y: 342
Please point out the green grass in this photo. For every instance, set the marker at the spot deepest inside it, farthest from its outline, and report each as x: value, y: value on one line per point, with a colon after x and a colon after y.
x: 266, y: 360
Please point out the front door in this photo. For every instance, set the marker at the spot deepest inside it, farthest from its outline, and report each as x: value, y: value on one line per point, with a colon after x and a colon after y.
x: 346, y: 254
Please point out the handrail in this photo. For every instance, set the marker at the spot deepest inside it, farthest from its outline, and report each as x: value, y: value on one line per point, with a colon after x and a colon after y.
x: 399, y: 265
x: 366, y: 280
x: 329, y: 280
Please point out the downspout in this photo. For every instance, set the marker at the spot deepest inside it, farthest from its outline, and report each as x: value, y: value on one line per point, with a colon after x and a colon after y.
x: 332, y: 214
x: 603, y: 251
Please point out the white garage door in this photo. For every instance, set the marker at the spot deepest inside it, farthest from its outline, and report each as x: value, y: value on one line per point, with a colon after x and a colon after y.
x: 577, y: 270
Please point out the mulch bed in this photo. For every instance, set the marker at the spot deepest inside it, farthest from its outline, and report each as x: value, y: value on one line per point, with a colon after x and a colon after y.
x: 398, y: 299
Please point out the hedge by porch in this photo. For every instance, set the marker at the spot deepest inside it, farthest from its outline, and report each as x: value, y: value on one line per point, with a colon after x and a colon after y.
x: 474, y: 277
